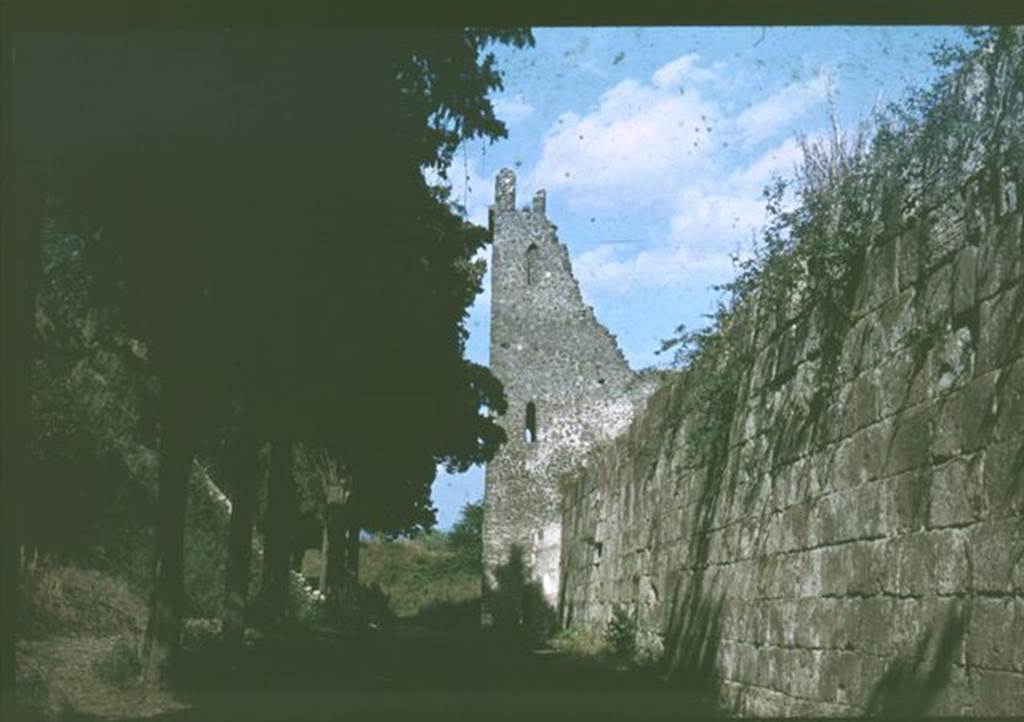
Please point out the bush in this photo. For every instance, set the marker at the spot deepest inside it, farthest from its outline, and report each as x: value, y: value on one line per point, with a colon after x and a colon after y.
x: 620, y: 634
x: 580, y: 641
x: 199, y: 634
x: 360, y: 606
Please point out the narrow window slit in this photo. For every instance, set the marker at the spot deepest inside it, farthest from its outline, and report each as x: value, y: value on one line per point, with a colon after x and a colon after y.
x: 531, y: 264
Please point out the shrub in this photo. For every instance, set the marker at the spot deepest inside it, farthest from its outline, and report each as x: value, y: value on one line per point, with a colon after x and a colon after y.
x: 360, y: 606
x: 580, y: 641
x: 200, y: 633
x: 620, y: 634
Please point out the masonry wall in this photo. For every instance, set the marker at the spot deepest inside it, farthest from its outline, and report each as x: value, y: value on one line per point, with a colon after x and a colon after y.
x: 549, y: 350
x: 878, y: 566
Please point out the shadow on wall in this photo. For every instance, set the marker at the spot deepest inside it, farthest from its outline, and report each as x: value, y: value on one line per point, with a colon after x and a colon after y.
x: 517, y: 601
x: 692, y: 639
x: 910, y: 686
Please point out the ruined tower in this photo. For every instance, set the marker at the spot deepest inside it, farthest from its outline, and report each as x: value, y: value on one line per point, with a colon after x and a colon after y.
x: 567, y: 382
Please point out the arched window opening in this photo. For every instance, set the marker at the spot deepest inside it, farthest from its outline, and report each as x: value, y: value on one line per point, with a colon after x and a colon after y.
x: 530, y: 432
x: 531, y: 264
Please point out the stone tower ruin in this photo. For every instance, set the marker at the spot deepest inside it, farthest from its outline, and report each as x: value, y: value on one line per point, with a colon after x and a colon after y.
x: 567, y: 382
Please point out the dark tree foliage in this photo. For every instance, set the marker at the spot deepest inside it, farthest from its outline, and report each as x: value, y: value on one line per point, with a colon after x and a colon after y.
x: 257, y: 213
x: 88, y: 382
x: 466, y: 536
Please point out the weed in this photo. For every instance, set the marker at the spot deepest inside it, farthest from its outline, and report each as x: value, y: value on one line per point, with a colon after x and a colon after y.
x: 580, y: 641
x: 620, y: 634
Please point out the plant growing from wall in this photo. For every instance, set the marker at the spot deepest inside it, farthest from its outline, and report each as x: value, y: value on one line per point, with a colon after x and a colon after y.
x: 851, y: 190
x: 620, y: 634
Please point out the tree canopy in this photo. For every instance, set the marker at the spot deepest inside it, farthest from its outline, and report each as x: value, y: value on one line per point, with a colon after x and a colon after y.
x: 255, y: 209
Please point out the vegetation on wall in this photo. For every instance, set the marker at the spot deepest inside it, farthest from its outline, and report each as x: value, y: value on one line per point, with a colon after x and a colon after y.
x: 852, y: 190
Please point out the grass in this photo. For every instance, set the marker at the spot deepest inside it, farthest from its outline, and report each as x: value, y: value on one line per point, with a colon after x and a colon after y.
x: 420, y: 575
x: 57, y: 599
x: 581, y: 642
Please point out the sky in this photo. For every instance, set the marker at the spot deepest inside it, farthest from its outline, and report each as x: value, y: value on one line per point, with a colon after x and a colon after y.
x: 655, y: 145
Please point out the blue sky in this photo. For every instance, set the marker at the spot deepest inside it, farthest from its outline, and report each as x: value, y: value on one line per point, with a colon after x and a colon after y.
x: 654, y: 145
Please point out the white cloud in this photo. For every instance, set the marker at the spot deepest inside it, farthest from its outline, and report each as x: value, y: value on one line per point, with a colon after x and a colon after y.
x: 713, y: 220
x: 766, y: 117
x: 608, y: 268
x: 512, y: 110
x: 669, y: 146
x: 707, y: 215
x: 677, y: 73
x: 640, y: 140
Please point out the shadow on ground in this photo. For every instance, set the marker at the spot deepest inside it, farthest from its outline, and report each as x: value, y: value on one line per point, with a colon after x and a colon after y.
x: 413, y: 672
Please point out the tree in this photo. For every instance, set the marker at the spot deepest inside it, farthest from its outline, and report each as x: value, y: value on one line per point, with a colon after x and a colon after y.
x: 466, y: 536
x: 268, y: 234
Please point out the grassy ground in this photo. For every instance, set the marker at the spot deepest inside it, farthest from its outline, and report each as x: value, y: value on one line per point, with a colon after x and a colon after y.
x: 79, y: 661
x: 422, y: 576
x: 77, y: 653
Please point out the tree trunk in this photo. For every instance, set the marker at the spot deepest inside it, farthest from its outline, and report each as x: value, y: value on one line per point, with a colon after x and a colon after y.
x: 280, y: 518
x: 352, y: 555
x: 177, y: 447
x: 22, y: 221
x: 243, y: 510
x: 325, y: 549
x: 337, y: 561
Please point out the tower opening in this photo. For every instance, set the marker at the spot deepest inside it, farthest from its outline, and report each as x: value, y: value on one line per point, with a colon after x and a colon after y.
x: 530, y: 432
x: 531, y: 264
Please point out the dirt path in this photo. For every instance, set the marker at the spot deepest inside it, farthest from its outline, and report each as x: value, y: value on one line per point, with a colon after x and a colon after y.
x: 409, y: 673
x: 66, y: 667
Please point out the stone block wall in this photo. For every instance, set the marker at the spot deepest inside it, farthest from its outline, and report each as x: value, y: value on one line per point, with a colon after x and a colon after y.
x: 862, y: 555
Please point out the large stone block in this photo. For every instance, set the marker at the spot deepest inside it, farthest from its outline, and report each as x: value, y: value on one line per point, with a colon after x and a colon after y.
x: 864, y: 404
x: 965, y: 280
x: 1002, y: 493
x: 918, y: 562
x: 1000, y: 263
x: 909, y: 497
x: 907, y: 627
x: 951, y: 360
x: 992, y: 636
x: 954, y: 495
x: 910, y: 443
x: 997, y: 693
x: 806, y: 673
x: 935, y: 297
x: 867, y: 565
x: 996, y: 560
x: 946, y: 427
x: 840, y: 677
x: 1009, y: 421
x: 835, y: 569
x: 1002, y: 331
x: 977, y: 412
x: 880, y: 280
x: 875, y: 625
x: 955, y: 697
